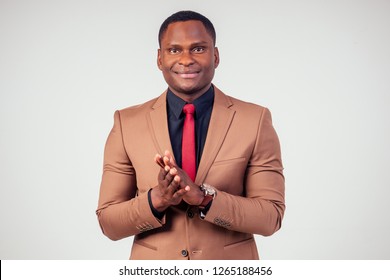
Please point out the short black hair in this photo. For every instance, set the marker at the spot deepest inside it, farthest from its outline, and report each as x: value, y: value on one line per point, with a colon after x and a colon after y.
x: 186, y: 16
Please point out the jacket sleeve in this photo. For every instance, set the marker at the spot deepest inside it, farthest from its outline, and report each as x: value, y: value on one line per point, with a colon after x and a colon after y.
x: 261, y: 210
x: 122, y: 211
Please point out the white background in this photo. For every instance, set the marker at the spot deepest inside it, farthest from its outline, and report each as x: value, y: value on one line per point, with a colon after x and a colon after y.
x: 322, y: 67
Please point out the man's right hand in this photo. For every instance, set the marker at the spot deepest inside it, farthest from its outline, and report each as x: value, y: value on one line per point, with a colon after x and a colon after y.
x: 168, y: 191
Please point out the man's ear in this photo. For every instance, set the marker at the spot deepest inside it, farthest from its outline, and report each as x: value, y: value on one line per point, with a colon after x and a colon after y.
x: 159, y: 64
x: 216, y: 57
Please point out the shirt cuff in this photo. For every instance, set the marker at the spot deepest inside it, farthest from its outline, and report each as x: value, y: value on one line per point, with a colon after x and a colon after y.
x: 157, y: 214
x: 203, y: 212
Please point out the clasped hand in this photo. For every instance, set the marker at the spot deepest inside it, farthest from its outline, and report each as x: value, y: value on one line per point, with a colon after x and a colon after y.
x: 174, y: 185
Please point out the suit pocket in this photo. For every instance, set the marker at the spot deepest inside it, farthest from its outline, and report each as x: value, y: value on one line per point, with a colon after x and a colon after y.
x: 228, y: 175
x: 242, y: 250
x: 144, y: 244
x: 229, y: 161
x: 239, y: 243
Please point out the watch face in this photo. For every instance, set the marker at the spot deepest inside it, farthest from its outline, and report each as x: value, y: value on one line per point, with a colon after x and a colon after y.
x: 209, y: 190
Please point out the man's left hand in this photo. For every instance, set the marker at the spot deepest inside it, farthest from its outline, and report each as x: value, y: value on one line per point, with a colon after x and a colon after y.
x: 194, y: 196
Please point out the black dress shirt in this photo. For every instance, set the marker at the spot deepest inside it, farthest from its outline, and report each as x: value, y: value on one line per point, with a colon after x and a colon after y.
x: 203, y: 108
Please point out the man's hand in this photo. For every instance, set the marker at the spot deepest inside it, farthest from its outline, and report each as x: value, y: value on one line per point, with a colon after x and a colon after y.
x: 193, y: 194
x: 168, y: 191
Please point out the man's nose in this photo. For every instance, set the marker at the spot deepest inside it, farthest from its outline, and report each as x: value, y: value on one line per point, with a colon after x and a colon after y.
x: 186, y: 59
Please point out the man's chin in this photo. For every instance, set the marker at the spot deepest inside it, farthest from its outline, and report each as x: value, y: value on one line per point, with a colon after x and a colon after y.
x: 187, y: 89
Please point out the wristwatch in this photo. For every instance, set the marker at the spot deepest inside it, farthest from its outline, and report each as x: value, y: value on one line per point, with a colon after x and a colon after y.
x: 209, y: 194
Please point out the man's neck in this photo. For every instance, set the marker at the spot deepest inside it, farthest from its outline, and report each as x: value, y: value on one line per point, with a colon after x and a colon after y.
x: 190, y: 97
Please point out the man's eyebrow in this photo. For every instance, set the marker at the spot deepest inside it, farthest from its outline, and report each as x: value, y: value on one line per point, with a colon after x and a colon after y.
x: 199, y: 43
x: 173, y: 45
x: 176, y: 45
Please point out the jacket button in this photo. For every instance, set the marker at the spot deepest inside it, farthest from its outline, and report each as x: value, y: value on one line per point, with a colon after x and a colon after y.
x: 184, y: 253
x: 190, y: 214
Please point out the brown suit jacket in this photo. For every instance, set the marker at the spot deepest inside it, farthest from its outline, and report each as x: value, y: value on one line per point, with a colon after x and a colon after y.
x: 241, y: 159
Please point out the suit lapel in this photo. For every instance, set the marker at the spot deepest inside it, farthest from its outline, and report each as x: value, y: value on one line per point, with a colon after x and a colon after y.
x: 158, y: 125
x: 221, y: 118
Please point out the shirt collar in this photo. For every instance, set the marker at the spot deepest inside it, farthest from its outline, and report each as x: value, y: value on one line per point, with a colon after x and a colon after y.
x: 202, y: 103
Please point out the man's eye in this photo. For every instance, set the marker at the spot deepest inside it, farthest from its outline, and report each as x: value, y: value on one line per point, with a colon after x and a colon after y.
x: 198, y: 50
x: 173, y: 51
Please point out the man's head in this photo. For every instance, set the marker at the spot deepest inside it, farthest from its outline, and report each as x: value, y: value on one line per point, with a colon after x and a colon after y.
x: 186, y: 16
x: 187, y: 56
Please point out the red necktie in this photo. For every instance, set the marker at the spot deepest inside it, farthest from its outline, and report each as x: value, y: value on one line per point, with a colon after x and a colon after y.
x: 188, y: 142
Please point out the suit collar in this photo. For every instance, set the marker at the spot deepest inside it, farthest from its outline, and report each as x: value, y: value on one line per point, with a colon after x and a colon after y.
x: 220, y: 98
x: 158, y: 124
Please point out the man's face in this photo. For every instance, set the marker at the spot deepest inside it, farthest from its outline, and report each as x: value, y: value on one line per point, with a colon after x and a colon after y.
x: 187, y: 58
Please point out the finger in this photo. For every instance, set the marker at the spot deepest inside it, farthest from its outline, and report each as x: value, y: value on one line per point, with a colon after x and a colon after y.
x: 169, y: 176
x: 184, y: 182
x: 170, y: 157
x: 167, y: 161
x: 175, y: 184
x: 179, y: 194
x: 172, y: 172
x: 163, y: 173
x: 159, y: 160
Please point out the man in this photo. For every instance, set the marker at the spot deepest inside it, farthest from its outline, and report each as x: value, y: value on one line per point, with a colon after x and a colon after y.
x: 216, y: 178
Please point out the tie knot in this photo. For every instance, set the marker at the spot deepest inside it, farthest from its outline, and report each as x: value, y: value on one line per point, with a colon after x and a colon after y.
x: 189, y: 109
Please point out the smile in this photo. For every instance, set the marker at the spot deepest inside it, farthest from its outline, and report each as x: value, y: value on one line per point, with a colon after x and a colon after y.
x: 189, y: 75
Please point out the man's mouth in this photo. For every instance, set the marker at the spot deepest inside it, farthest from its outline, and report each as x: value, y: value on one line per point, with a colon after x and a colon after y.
x: 188, y: 75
